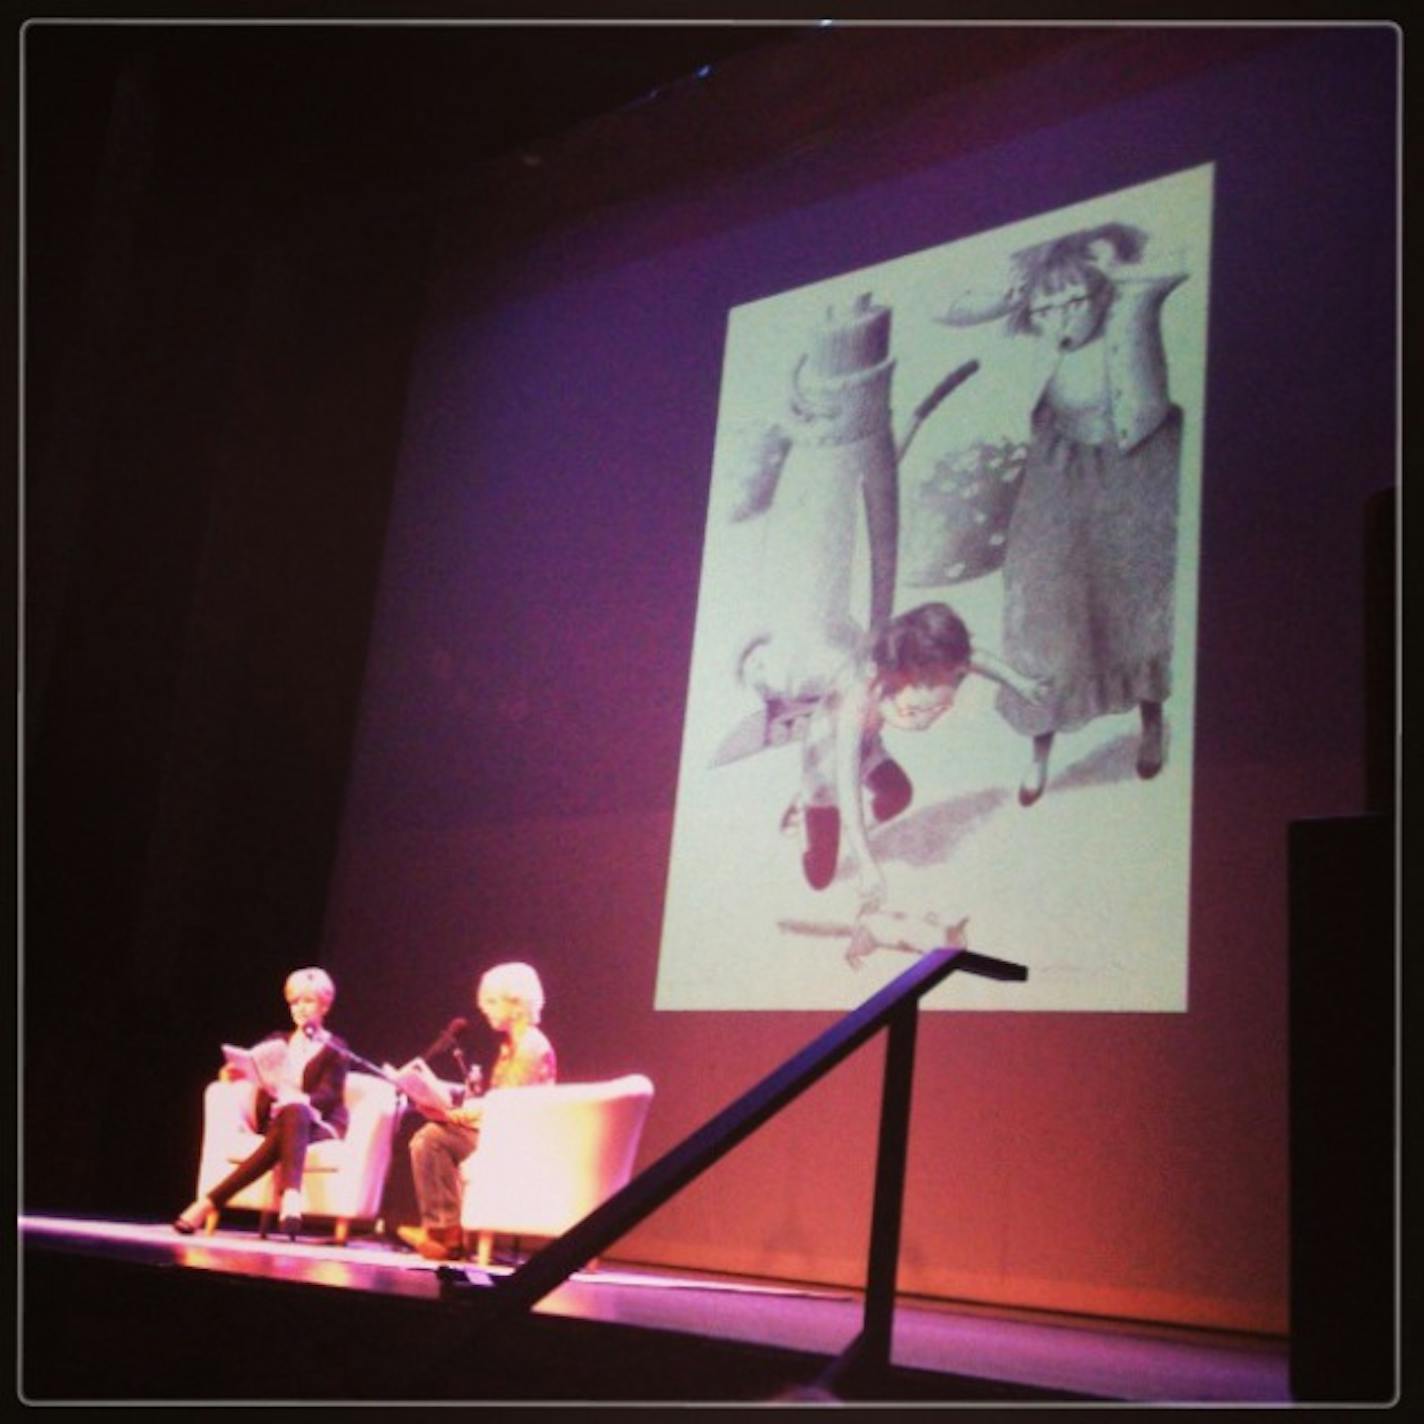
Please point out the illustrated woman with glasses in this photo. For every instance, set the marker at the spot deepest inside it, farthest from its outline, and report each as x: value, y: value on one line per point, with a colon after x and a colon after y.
x: 1091, y: 551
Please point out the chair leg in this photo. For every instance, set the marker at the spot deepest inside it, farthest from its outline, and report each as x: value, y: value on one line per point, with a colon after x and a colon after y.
x: 343, y: 1230
x: 210, y: 1222
x: 264, y: 1224
x: 485, y: 1249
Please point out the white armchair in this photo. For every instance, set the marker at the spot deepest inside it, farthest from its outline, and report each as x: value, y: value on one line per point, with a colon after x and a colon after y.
x: 344, y: 1177
x: 548, y: 1155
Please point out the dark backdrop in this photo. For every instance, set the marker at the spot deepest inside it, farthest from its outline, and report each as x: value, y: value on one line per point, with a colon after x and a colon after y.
x: 225, y: 233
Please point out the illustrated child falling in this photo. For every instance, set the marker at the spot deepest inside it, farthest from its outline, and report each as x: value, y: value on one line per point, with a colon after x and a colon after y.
x: 905, y: 676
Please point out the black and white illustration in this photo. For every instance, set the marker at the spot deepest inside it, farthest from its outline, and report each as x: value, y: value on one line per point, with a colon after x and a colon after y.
x: 943, y: 667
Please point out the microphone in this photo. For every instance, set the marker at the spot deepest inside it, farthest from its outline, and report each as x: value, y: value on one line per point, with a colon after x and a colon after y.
x: 446, y: 1037
x: 471, y: 1076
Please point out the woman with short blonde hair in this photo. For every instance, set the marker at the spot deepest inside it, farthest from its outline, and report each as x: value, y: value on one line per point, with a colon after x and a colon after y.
x: 317, y: 980
x: 511, y: 997
x: 517, y: 982
x: 309, y: 1105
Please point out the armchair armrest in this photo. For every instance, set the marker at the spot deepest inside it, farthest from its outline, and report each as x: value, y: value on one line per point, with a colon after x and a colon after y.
x: 229, y: 1125
x: 230, y: 1104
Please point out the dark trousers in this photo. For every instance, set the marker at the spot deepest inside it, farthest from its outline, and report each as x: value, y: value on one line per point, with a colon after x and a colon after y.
x: 284, y: 1146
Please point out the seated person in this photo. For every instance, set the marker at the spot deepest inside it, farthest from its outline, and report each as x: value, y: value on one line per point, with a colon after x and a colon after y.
x: 310, y: 1104
x: 511, y: 998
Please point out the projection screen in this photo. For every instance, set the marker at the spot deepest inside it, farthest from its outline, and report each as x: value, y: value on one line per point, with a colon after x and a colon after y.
x: 999, y: 440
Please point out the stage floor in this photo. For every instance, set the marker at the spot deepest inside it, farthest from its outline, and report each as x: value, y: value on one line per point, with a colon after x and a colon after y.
x: 1091, y: 1359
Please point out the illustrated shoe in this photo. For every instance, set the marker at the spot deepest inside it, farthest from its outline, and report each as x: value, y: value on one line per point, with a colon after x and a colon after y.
x: 891, y: 791
x: 823, y: 845
x: 1031, y: 787
x: 193, y: 1216
x: 1035, y: 779
x: 1151, y: 753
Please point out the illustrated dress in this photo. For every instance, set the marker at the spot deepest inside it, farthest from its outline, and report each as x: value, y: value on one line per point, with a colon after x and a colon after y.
x: 1089, y: 567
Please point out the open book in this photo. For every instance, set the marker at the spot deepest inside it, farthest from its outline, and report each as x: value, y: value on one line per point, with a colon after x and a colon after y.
x: 432, y: 1096
x: 261, y: 1064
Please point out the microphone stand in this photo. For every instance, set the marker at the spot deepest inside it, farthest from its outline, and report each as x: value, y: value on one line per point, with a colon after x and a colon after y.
x: 365, y: 1064
x: 467, y: 1081
x: 402, y: 1103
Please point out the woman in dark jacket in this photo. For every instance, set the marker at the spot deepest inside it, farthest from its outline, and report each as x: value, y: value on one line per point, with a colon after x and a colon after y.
x: 307, y: 1104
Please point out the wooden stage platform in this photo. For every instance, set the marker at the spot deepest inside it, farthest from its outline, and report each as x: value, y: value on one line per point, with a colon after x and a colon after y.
x: 130, y: 1311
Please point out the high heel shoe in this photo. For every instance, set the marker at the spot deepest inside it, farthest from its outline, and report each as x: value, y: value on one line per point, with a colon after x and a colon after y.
x: 193, y: 1216
x: 289, y: 1221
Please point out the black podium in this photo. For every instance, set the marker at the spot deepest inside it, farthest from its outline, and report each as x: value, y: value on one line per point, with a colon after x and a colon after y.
x: 1344, y: 1052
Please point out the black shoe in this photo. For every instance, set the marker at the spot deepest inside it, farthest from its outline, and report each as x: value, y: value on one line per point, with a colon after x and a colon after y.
x: 290, y: 1227
x: 183, y: 1228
